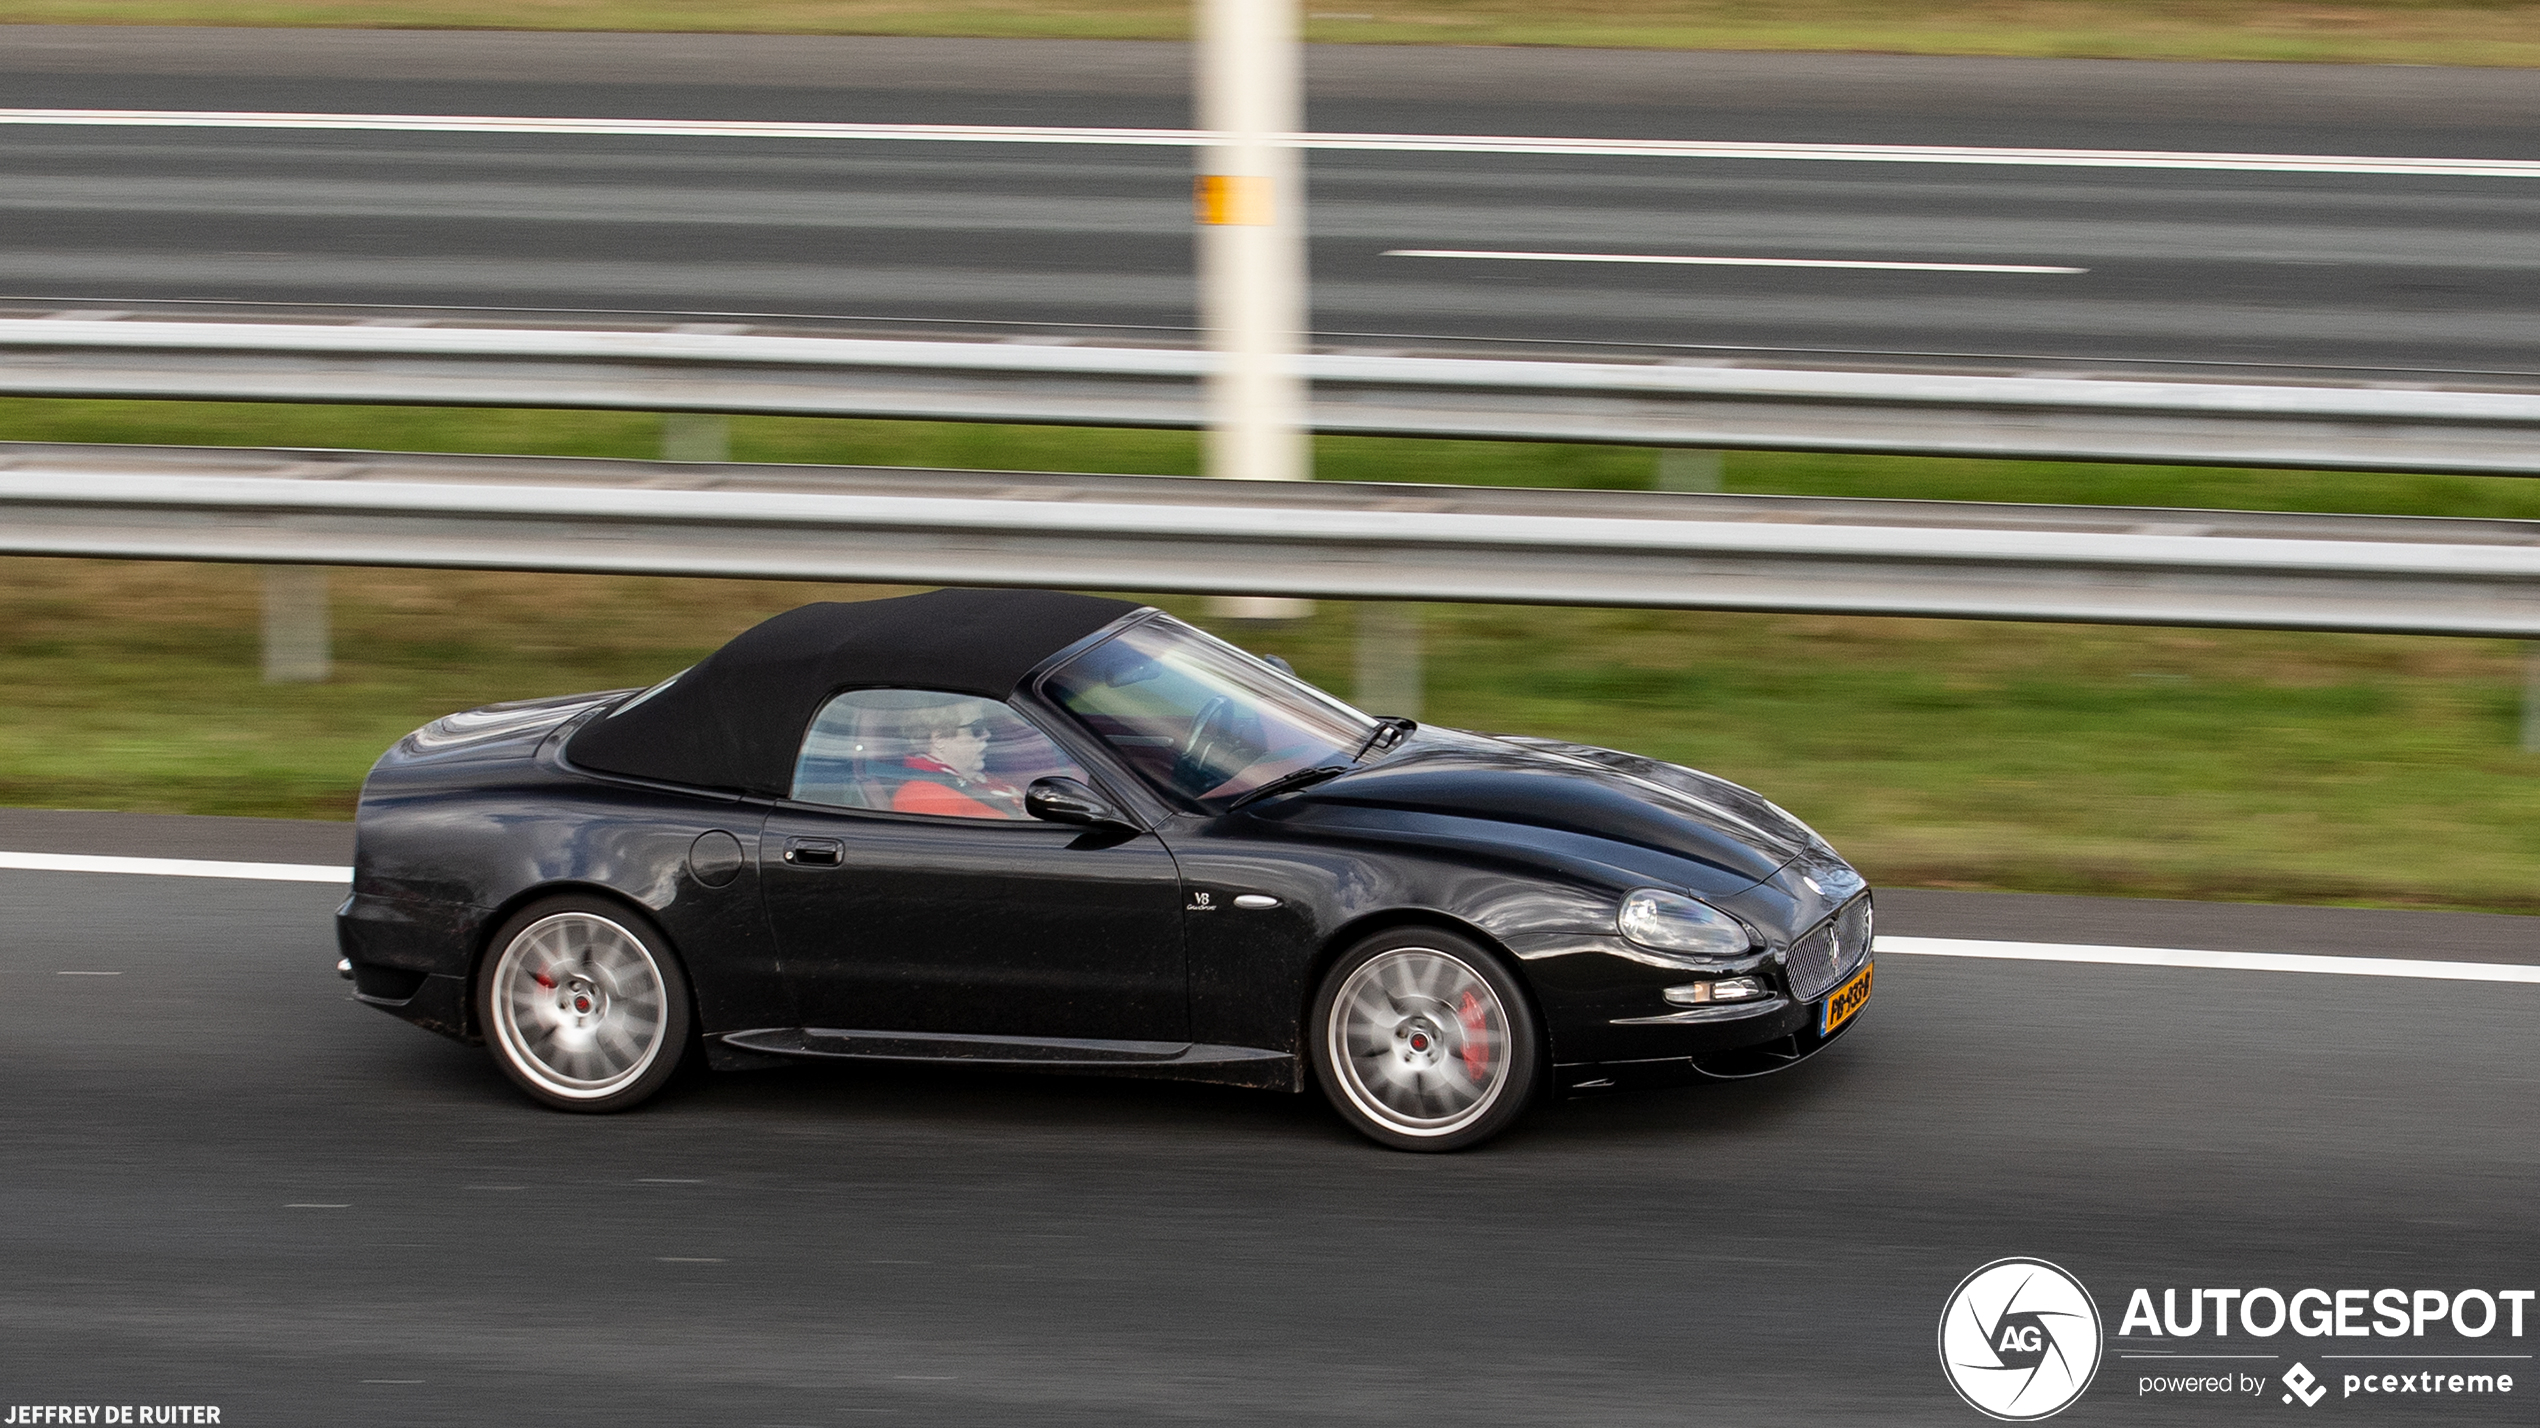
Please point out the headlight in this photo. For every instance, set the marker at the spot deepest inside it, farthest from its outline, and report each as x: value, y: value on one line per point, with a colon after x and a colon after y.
x: 1676, y: 923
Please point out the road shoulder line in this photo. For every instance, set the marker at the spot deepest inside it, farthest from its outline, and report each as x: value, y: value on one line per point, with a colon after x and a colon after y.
x: 1997, y: 156
x: 2212, y: 961
x: 2344, y: 966
x: 176, y: 867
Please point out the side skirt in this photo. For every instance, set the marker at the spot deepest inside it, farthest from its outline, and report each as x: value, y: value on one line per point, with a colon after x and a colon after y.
x: 1176, y: 1060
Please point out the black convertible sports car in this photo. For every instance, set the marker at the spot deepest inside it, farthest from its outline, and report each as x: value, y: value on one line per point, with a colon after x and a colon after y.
x: 1056, y: 832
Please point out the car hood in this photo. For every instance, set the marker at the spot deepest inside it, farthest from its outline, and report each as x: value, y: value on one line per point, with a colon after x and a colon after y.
x: 1577, y: 789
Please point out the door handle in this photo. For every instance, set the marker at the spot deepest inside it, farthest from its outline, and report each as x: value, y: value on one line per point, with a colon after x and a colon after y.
x: 814, y: 852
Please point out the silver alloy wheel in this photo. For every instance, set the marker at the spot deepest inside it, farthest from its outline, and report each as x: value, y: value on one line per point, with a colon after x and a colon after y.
x: 1420, y: 1040
x: 578, y: 1005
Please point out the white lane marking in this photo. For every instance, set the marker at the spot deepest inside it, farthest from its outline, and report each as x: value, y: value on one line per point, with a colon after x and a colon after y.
x: 88, y: 974
x: 304, y: 1205
x: 176, y: 868
x: 1727, y: 262
x: 1199, y: 138
x: 1904, y: 946
x: 2213, y: 961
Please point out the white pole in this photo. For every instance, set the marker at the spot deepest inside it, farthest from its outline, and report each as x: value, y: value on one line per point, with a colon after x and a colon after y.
x: 695, y: 436
x: 2531, y: 697
x: 1388, y: 663
x: 296, y: 635
x: 1682, y: 469
x: 1249, y: 200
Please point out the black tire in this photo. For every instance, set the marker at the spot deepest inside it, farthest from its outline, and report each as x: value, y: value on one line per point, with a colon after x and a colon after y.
x: 583, y: 1004
x: 1424, y: 1041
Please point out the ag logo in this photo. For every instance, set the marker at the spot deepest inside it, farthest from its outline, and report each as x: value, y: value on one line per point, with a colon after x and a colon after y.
x: 2019, y: 1339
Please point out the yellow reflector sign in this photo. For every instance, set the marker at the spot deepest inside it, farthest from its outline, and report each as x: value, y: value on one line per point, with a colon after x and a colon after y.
x: 1231, y: 198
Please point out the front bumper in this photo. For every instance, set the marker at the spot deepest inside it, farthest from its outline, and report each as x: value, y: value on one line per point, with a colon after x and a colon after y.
x: 1605, y: 999
x: 1610, y: 1025
x: 1776, y: 1035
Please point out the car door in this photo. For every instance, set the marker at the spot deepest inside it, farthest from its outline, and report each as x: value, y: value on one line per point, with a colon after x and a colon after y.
x: 909, y: 892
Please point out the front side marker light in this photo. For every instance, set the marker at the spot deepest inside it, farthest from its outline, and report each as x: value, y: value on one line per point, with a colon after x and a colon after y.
x: 1726, y: 989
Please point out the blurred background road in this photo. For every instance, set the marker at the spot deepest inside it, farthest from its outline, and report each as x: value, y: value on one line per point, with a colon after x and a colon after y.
x: 229, y: 1184
x: 2298, y: 270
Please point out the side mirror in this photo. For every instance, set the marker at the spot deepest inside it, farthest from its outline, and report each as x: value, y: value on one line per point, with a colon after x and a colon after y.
x: 1281, y: 665
x: 1064, y: 800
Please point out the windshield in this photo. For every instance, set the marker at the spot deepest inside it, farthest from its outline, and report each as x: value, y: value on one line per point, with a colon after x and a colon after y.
x: 1200, y: 717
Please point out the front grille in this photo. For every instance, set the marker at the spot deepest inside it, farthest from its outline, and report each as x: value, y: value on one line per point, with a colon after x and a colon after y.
x: 1829, y: 951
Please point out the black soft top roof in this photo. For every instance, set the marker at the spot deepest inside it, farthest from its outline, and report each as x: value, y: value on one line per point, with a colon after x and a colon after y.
x: 736, y: 720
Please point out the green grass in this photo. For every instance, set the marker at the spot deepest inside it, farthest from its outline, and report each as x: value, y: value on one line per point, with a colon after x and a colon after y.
x: 2251, y: 765
x: 2355, y: 31
x: 1173, y: 453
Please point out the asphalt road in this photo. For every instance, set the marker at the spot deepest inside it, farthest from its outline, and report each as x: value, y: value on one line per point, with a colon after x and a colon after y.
x: 227, y: 1185
x: 2322, y: 270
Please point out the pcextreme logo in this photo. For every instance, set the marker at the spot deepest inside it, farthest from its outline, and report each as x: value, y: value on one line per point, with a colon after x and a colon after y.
x: 2019, y: 1339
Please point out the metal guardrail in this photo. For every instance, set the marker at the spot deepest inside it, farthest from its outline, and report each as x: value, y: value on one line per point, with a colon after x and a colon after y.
x: 2481, y: 432
x: 1339, y: 540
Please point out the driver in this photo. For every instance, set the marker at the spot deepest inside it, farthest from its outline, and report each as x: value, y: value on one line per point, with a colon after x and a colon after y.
x: 948, y: 775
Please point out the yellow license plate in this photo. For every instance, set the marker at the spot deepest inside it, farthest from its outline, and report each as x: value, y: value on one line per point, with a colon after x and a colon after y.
x: 1843, y: 1001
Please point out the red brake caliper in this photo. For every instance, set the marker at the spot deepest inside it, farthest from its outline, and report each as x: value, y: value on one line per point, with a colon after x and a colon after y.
x: 544, y: 980
x: 1476, y: 1055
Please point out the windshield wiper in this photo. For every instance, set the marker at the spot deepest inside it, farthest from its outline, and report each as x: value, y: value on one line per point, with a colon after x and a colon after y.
x: 1294, y: 779
x: 1393, y: 724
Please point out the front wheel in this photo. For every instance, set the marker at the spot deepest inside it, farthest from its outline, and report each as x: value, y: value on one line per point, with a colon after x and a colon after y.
x: 583, y: 1005
x: 1423, y: 1041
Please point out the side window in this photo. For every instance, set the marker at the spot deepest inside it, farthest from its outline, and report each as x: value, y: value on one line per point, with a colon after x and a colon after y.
x: 918, y: 751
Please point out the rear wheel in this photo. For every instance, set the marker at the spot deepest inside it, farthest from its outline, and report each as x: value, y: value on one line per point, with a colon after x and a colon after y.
x: 1424, y: 1041
x: 584, y: 1006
